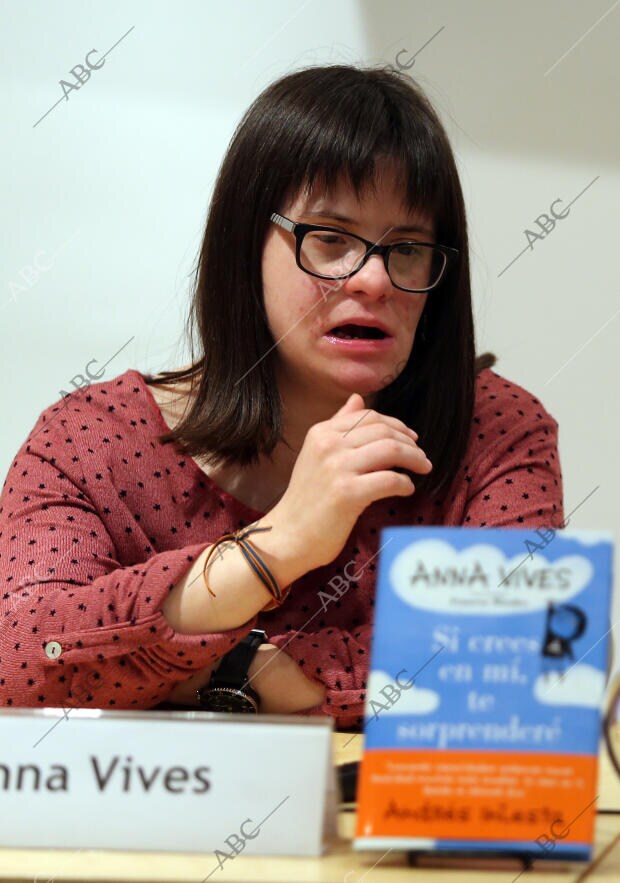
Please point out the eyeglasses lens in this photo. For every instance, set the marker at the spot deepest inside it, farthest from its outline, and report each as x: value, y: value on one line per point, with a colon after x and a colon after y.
x: 411, y: 265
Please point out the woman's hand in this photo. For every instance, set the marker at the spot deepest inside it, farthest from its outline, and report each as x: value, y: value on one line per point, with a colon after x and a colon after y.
x: 345, y: 464
x: 281, y: 684
x: 184, y: 693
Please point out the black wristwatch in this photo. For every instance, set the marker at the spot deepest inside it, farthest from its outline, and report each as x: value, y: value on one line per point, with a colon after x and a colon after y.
x: 228, y: 689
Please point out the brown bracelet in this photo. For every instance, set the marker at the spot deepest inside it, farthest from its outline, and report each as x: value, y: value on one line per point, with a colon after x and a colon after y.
x: 256, y: 563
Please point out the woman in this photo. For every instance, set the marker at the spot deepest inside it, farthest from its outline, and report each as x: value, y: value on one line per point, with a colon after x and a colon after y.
x: 335, y: 392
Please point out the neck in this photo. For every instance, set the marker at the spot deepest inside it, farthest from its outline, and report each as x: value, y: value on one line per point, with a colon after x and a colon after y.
x: 270, y: 478
x: 300, y: 411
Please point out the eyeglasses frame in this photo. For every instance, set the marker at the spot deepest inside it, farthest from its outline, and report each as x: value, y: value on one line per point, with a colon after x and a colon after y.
x: 299, y: 230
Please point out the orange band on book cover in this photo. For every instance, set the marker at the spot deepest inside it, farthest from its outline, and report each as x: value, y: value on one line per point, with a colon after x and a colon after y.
x: 474, y: 795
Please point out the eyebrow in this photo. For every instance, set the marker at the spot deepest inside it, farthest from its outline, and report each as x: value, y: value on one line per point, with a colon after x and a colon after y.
x: 338, y: 217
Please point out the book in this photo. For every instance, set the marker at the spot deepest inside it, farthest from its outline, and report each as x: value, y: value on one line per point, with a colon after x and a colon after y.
x: 489, y: 660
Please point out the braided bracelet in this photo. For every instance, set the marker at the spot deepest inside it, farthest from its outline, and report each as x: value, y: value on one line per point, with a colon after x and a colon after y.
x: 256, y: 563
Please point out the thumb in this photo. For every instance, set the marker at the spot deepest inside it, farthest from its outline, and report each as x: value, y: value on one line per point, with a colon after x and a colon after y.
x: 355, y: 402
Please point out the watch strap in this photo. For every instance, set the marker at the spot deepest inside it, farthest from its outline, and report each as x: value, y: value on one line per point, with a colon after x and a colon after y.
x: 233, y: 669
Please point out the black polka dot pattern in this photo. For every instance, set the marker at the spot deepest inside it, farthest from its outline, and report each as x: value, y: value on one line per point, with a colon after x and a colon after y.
x: 98, y: 522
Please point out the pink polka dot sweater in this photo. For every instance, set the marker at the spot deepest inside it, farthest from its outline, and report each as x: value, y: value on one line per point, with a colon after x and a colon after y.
x: 98, y: 521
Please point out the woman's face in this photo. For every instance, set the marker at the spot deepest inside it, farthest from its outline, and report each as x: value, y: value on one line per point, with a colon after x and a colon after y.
x: 301, y: 309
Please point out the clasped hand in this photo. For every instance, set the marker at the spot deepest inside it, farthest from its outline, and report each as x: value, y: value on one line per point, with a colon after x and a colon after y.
x: 280, y: 683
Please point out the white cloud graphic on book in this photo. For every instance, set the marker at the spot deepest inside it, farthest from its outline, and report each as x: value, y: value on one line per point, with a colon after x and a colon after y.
x: 580, y: 685
x: 414, y: 700
x: 481, y: 580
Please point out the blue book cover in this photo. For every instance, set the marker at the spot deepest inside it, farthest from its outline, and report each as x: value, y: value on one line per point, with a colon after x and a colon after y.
x: 488, y: 669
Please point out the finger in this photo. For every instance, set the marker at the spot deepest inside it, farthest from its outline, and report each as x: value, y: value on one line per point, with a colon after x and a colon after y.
x: 364, y: 433
x: 369, y: 416
x: 386, y: 454
x: 381, y: 484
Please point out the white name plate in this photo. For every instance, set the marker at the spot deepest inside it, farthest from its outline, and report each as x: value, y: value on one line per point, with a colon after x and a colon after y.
x: 179, y: 781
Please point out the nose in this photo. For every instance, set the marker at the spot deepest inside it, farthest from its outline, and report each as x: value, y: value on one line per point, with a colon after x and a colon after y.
x: 372, y: 279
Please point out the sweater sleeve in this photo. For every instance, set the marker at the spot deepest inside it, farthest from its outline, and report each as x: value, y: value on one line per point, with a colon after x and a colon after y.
x: 76, y: 627
x: 517, y: 481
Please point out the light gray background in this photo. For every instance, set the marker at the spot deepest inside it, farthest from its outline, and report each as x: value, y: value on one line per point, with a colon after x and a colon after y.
x: 108, y: 193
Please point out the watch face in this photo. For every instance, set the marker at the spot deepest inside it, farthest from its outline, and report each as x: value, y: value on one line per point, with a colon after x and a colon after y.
x: 227, y: 699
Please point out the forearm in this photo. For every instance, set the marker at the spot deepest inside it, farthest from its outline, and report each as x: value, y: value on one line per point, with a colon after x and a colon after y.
x: 298, y: 694
x: 339, y: 663
x: 281, y: 684
x: 239, y: 592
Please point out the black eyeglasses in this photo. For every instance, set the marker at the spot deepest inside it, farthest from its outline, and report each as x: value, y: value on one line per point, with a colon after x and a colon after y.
x: 330, y: 253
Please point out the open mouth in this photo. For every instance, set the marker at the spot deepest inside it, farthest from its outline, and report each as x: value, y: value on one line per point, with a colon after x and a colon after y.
x: 351, y: 332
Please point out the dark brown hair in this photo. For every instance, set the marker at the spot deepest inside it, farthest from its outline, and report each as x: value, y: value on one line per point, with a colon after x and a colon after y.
x: 307, y: 130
